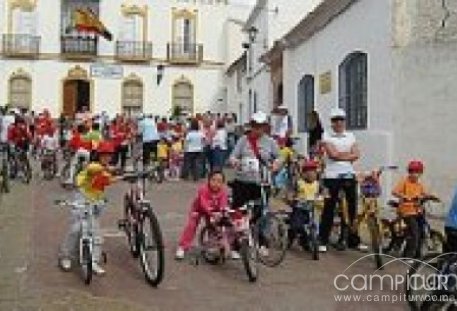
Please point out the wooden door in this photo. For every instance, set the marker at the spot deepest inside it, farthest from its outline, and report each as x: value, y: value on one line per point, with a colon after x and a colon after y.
x: 69, y: 98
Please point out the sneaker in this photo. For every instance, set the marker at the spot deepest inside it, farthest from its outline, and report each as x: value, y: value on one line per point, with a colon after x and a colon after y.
x: 235, y: 255
x: 362, y: 247
x: 97, y: 269
x: 179, y: 254
x: 322, y: 248
x: 263, y: 251
x: 65, y: 264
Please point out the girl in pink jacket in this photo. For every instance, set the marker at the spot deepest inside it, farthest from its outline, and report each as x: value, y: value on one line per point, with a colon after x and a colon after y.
x: 211, y: 197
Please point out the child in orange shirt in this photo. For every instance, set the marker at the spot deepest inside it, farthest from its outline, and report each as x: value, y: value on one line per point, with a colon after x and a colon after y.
x: 410, y: 191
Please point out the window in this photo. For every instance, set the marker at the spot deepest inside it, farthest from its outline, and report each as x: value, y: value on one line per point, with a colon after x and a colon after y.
x: 183, y: 96
x: 68, y: 7
x: 305, y: 102
x: 20, y: 91
x: 132, y: 97
x: 353, y: 90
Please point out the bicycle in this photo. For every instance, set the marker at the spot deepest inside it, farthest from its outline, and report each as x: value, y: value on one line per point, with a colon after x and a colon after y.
x: 65, y: 174
x: 142, y: 229
x: 438, y: 273
x: 227, y: 228
x: 49, y: 164
x: 4, y: 173
x: 269, y: 228
x: 303, y: 224
x: 87, y: 238
x: 20, y: 165
x: 431, y: 241
x: 370, y: 189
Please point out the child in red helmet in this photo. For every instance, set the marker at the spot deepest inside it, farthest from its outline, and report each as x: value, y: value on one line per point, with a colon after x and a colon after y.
x: 308, y: 187
x: 91, y: 183
x: 410, y: 190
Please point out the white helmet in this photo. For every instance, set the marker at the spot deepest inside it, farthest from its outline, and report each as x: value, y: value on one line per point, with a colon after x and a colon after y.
x: 259, y: 117
x: 337, y: 113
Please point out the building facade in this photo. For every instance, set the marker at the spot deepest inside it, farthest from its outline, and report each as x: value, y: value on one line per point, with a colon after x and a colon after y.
x: 163, y: 54
x: 390, y: 65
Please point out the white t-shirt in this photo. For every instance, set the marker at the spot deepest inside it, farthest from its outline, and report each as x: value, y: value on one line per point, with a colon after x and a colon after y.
x: 49, y: 143
x: 194, y: 141
x: 343, y: 143
x: 220, y: 139
x: 7, y: 120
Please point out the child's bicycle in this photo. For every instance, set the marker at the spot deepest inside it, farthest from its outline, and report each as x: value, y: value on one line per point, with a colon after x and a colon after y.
x: 222, y: 231
x: 370, y: 189
x: 304, y: 226
x: 142, y: 229
x: 87, y: 238
x: 431, y: 241
x: 49, y: 164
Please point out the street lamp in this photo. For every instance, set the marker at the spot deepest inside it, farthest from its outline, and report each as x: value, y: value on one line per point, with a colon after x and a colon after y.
x: 160, y: 72
x: 252, y: 32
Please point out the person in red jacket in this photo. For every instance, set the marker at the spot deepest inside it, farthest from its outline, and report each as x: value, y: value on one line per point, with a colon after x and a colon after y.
x: 80, y: 148
x: 19, y: 135
x: 120, y: 135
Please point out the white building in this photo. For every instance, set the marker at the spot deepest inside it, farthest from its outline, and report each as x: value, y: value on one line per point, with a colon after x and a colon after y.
x: 268, y: 21
x: 392, y: 65
x: 164, y: 53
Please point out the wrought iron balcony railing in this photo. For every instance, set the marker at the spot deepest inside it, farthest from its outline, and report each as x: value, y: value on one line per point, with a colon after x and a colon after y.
x: 134, y: 51
x: 187, y: 53
x: 21, y: 45
x: 79, y: 47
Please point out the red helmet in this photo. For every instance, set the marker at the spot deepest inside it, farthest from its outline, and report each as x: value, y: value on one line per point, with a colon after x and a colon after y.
x: 310, y: 165
x: 416, y: 166
x: 105, y: 147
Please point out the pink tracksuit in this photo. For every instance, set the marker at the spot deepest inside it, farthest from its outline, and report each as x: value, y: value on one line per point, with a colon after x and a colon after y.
x: 203, y: 205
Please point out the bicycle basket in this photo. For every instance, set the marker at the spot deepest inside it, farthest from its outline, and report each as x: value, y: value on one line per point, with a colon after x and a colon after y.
x: 370, y: 188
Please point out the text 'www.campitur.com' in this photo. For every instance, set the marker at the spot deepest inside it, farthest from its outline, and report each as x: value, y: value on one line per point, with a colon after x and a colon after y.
x: 393, y: 298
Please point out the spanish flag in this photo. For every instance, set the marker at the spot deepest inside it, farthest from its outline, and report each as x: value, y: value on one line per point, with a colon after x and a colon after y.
x: 84, y: 20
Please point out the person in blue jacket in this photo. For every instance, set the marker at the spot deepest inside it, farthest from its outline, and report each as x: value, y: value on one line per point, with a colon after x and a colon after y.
x: 450, y: 226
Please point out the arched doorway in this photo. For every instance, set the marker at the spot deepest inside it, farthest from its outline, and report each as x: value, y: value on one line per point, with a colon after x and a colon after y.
x: 183, y: 95
x: 77, y: 92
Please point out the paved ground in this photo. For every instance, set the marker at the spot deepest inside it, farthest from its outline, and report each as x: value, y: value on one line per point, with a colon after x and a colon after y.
x: 31, y: 230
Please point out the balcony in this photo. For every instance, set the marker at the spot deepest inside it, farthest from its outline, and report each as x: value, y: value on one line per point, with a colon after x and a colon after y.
x: 133, y: 51
x: 21, y: 45
x: 180, y: 53
x: 79, y: 48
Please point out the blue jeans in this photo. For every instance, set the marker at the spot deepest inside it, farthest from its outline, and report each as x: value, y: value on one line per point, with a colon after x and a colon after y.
x: 218, y: 158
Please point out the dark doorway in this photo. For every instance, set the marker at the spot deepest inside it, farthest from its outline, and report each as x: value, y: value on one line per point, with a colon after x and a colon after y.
x: 76, y: 95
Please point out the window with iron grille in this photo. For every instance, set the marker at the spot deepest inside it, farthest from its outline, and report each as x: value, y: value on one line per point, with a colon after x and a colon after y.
x: 305, y: 102
x: 353, y: 78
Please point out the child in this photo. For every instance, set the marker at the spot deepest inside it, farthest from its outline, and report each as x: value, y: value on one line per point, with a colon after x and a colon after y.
x: 176, y: 156
x: 286, y: 154
x: 307, y: 191
x: 91, y: 183
x: 410, y: 190
x: 211, y: 197
x: 163, y: 152
x: 49, y: 146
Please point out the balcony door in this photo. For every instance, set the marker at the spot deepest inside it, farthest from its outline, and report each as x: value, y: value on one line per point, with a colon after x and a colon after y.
x: 184, y: 33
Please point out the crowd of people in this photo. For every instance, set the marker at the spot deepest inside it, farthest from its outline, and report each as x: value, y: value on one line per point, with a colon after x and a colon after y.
x: 204, y: 145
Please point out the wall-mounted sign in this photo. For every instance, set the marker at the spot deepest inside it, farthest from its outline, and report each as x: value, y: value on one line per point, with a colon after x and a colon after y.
x: 106, y: 71
x: 325, y: 82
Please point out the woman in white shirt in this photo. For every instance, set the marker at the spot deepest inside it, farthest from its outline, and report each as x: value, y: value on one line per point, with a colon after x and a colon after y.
x: 219, y: 146
x: 341, y: 151
x: 193, y: 151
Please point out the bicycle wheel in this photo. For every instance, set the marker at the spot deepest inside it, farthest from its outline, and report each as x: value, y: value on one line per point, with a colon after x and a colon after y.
x: 313, y: 242
x: 392, y: 242
x: 249, y: 256
x: 208, y: 242
x: 375, y: 237
x: 439, y: 302
x: 86, y: 263
x: 270, y: 234
x: 433, y: 243
x: 151, y: 248
x: 131, y: 229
